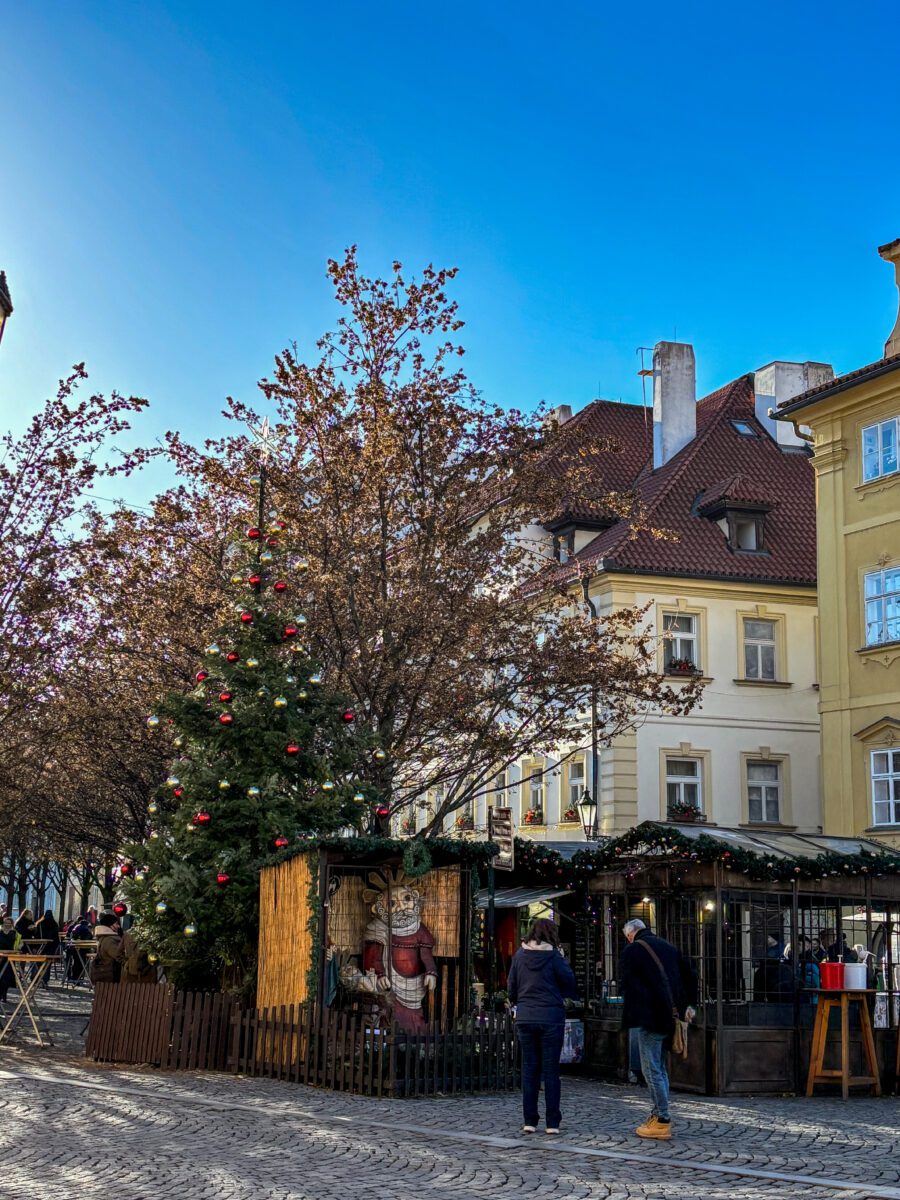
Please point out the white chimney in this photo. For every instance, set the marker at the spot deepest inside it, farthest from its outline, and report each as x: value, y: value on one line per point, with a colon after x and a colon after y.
x: 778, y: 382
x: 674, y: 400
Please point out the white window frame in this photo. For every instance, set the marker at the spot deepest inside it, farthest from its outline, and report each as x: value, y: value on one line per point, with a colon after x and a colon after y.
x: 890, y: 777
x: 881, y: 601
x: 769, y: 790
x: 676, y: 641
x: 679, y: 781
x: 758, y: 643
x: 576, y: 784
x: 882, y: 431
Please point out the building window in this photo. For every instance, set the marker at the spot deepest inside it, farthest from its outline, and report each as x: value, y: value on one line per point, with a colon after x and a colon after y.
x: 764, y: 792
x: 744, y: 429
x: 682, y: 652
x: 879, y: 449
x: 746, y: 532
x: 882, y: 590
x: 496, y: 796
x: 533, y: 796
x: 683, y: 784
x: 886, y: 787
x: 575, y: 789
x: 759, y: 649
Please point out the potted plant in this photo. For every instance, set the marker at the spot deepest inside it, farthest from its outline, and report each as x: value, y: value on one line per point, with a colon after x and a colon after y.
x: 571, y: 814
x: 465, y: 821
x: 408, y: 825
x: 681, y: 666
x: 534, y: 816
x: 685, y: 812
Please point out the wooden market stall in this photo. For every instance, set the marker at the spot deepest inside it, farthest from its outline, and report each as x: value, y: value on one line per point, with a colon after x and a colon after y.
x: 365, y: 965
x: 756, y: 912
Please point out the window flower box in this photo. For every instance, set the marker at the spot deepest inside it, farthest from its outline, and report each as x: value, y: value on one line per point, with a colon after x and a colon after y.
x: 408, y: 825
x: 465, y: 821
x: 681, y: 666
x: 569, y: 816
x: 687, y: 814
x: 534, y: 816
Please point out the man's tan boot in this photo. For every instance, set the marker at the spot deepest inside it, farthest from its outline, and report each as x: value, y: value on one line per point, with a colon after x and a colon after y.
x: 661, y: 1131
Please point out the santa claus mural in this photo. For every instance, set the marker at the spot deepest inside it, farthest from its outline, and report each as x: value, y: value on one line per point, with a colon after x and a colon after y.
x: 398, y: 950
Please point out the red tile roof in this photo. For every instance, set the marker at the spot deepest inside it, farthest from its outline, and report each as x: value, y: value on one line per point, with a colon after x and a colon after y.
x: 682, y: 542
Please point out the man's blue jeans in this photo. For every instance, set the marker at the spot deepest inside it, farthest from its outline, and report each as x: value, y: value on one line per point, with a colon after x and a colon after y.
x: 541, y: 1044
x: 653, y: 1068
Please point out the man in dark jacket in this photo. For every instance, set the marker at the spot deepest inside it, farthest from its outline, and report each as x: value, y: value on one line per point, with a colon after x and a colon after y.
x: 655, y: 980
x: 540, y: 981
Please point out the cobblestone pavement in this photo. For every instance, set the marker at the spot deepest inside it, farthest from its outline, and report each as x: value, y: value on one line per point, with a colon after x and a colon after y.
x: 71, y: 1130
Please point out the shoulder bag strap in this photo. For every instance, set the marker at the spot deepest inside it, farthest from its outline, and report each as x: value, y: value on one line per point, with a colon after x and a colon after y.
x: 662, y: 971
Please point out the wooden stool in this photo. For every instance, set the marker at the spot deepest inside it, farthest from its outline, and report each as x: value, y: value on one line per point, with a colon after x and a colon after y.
x: 829, y: 999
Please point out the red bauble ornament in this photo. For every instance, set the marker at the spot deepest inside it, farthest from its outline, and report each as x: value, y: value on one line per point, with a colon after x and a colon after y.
x: 347, y: 716
x: 280, y: 842
x: 255, y: 580
x: 178, y: 793
x: 226, y: 719
x: 224, y: 697
x: 232, y: 656
x: 279, y: 586
x: 290, y: 631
x: 222, y: 878
x: 202, y: 818
x: 272, y: 541
x: 126, y: 869
x: 382, y: 811
x: 292, y: 748
x: 247, y: 618
x: 200, y: 676
x: 253, y: 533
x: 120, y: 909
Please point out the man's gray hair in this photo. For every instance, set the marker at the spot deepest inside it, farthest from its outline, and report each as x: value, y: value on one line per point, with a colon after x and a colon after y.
x: 633, y: 925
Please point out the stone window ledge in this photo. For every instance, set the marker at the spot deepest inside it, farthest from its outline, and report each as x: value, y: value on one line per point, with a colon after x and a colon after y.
x: 764, y: 683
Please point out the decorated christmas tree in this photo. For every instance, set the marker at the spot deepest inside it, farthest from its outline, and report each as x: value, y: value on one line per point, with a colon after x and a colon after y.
x: 265, y: 756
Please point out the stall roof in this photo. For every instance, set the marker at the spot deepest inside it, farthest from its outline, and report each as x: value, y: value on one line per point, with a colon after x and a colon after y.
x: 781, y: 845
x: 519, y: 897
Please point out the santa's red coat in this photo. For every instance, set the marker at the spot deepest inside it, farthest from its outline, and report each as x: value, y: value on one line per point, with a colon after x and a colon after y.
x: 411, y: 954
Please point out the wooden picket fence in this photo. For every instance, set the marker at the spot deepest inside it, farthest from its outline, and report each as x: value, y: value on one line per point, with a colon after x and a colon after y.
x: 342, y: 1050
x: 151, y: 1023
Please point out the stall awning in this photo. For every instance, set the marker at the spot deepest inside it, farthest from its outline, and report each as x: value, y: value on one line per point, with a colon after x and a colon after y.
x: 781, y: 845
x: 520, y: 897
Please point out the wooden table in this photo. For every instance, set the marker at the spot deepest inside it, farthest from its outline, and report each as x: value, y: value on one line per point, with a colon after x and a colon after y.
x: 28, y: 984
x: 830, y: 998
x: 84, y: 952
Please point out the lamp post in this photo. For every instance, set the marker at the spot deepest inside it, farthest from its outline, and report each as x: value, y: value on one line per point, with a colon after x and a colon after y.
x: 5, y: 303
x: 587, y: 810
x: 595, y: 829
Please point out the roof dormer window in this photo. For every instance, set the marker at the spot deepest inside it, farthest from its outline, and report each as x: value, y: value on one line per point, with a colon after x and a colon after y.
x: 739, y: 512
x: 744, y: 429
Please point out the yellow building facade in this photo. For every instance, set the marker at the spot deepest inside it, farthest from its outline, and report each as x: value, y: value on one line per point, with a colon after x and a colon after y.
x: 855, y: 423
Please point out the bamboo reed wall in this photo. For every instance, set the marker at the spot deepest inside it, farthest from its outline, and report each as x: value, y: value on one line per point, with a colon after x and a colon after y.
x: 349, y: 914
x: 285, y: 941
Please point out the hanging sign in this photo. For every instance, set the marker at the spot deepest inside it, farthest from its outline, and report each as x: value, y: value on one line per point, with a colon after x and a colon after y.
x: 501, y: 831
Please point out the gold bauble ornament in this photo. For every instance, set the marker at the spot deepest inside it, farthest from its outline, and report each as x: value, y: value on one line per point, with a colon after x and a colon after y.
x: 152, y: 959
x: 254, y: 793
x: 213, y: 648
x: 224, y: 785
x: 315, y: 679
x: 179, y: 742
x: 359, y: 798
x: 190, y: 930
x: 152, y: 722
x: 380, y: 755
x: 236, y: 578
x: 300, y: 619
x: 302, y: 694
x: 152, y: 808
x: 266, y: 557
x: 191, y: 827
x: 301, y: 565
x: 327, y: 786
x: 252, y: 663
x: 153, y: 835
x: 280, y: 702
x: 161, y: 906
x: 262, y: 693
x: 173, y: 781
x: 290, y: 679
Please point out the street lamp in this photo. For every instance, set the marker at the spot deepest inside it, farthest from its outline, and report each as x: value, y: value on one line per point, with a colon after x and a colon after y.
x: 5, y: 303
x: 587, y: 810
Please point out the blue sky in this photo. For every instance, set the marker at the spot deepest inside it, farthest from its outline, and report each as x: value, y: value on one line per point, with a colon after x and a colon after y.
x: 173, y: 177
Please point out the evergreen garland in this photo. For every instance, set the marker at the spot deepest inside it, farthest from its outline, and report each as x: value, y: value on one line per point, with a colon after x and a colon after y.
x: 668, y: 844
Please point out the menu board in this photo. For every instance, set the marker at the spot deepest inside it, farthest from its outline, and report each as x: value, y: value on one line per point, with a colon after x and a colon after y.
x: 501, y: 831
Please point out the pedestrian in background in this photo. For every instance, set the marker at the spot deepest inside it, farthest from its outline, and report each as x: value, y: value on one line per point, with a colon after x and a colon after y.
x: 656, y: 983
x: 107, y: 964
x: 9, y: 941
x: 539, y: 982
